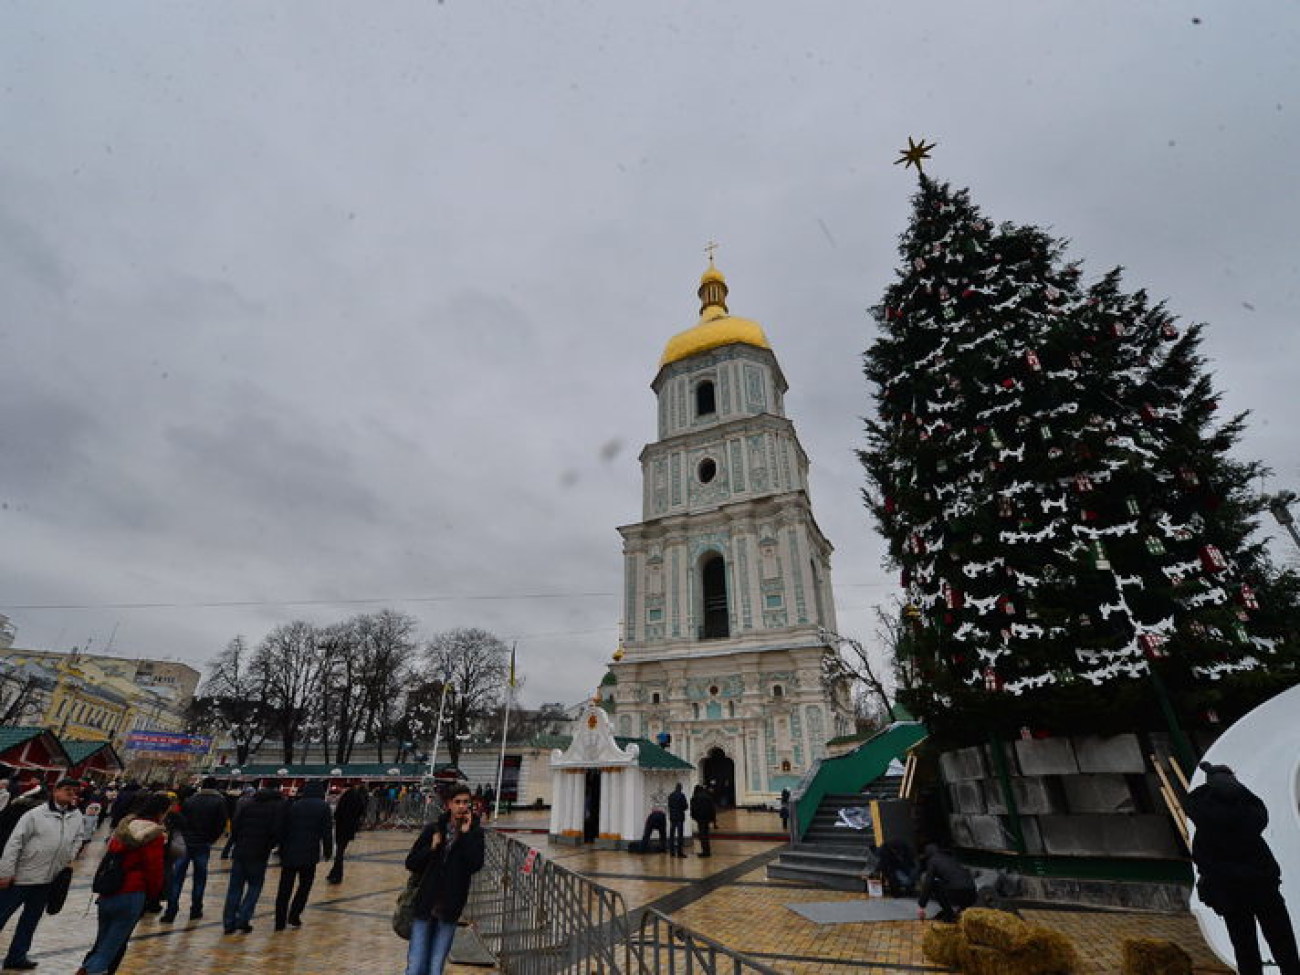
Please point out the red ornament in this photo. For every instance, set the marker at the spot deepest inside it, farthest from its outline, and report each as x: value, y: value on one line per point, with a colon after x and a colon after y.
x: 1031, y: 360
x: 1248, y: 598
x: 1152, y: 645
x: 1212, y: 559
x: 1008, y: 383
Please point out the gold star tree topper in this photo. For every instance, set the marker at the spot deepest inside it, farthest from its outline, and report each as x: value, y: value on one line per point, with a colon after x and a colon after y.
x: 914, y: 154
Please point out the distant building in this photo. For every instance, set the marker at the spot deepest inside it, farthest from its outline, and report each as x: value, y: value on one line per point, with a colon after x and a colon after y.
x: 94, y: 697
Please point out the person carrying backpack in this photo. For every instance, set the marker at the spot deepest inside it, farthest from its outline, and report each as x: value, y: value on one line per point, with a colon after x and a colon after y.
x: 140, y: 842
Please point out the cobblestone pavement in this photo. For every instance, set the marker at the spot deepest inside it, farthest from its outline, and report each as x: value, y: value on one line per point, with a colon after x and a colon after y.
x: 726, y: 897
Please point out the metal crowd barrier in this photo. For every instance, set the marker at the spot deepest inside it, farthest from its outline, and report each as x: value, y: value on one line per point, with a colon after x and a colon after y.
x: 665, y: 946
x: 537, y: 918
x: 410, y: 812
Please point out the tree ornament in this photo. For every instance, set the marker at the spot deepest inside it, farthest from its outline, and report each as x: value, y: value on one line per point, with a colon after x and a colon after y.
x: 1097, y: 554
x: 1212, y: 559
x: 915, y: 154
x: 1153, y: 545
x: 1247, y: 596
x: 1032, y: 361
x: 1152, y: 645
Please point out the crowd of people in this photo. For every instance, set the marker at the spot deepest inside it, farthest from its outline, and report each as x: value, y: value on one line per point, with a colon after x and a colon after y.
x: 157, y: 839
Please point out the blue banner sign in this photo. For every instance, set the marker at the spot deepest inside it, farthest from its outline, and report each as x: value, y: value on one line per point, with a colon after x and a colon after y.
x: 166, y: 741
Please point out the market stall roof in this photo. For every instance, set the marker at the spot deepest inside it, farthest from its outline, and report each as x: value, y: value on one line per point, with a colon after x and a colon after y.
x: 331, y: 770
x: 27, y: 746
x: 86, y: 756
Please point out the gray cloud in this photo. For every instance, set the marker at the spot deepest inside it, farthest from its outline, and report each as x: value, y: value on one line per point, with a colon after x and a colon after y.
x: 340, y: 306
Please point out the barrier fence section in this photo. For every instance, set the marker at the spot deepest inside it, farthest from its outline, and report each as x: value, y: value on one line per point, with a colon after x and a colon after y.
x: 665, y: 946
x: 538, y: 918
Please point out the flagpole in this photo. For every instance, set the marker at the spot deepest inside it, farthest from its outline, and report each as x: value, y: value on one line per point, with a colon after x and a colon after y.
x: 505, y: 725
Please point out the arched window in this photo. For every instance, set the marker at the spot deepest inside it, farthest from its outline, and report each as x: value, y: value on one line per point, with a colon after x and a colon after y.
x: 731, y: 709
x: 706, y: 403
x: 654, y: 698
x: 695, y: 711
x: 778, y: 690
x: 717, y: 614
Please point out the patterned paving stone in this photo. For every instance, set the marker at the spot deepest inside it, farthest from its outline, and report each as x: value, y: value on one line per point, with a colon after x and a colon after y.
x: 727, y: 897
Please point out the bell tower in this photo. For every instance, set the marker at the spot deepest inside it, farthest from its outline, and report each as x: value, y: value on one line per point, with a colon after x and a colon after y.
x: 727, y: 577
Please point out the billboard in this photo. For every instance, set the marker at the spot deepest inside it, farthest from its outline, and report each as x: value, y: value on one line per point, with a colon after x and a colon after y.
x: 167, y: 741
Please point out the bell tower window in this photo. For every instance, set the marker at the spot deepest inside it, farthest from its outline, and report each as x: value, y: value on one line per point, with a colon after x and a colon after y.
x: 717, y: 614
x: 705, y: 400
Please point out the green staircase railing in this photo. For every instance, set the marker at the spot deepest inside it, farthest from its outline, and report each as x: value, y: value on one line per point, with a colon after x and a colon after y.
x: 851, y: 772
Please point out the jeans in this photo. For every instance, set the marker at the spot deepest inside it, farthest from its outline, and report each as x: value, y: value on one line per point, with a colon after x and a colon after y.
x: 284, y: 910
x: 118, y: 914
x: 430, y: 946
x: 246, y: 879
x: 197, y: 854
x: 31, y: 898
x: 676, y: 829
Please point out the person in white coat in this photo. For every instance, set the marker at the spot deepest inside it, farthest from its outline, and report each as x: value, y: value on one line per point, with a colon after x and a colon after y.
x: 43, y: 843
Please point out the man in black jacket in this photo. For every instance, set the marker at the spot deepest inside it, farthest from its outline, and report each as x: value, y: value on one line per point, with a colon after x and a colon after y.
x: 203, y: 820
x: 704, y: 812
x: 256, y: 832
x: 446, y: 855
x: 950, y: 884
x: 677, y: 805
x: 307, y: 832
x: 1239, y: 876
x: 348, y: 814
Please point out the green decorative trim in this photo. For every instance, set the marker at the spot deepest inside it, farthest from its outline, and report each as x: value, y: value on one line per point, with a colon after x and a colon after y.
x: 1131, y: 869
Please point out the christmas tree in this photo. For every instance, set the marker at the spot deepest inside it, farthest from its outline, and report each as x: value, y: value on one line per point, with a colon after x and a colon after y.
x: 1046, y: 464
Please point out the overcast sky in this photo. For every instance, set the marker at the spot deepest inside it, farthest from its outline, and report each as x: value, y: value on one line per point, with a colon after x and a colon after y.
x: 303, y: 305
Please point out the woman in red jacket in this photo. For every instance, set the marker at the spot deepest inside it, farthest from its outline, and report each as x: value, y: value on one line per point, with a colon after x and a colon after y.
x: 141, y: 840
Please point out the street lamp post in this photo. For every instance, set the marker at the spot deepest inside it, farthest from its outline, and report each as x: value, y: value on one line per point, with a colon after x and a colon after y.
x: 437, y: 731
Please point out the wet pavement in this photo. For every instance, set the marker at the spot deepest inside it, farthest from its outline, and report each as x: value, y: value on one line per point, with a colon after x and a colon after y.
x: 728, y: 897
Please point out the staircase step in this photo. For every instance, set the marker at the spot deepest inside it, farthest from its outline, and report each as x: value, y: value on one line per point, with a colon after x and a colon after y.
x: 834, y: 879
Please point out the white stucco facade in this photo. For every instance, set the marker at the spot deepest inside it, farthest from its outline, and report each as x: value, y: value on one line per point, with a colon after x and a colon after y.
x: 727, y: 577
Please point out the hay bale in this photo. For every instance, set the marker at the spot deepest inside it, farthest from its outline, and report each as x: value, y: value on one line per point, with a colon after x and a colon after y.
x: 993, y: 929
x: 1047, y: 952
x: 983, y: 960
x: 942, y: 945
x: 1154, y: 956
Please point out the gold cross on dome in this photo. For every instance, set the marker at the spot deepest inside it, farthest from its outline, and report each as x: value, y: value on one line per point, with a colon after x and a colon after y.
x: 709, y: 248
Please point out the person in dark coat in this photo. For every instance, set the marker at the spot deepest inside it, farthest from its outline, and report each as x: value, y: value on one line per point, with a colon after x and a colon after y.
x: 256, y: 832
x: 1239, y: 876
x: 950, y: 884
x: 308, y: 829
x: 123, y: 803
x: 348, y: 814
x: 677, y: 806
x: 705, y: 814
x: 446, y: 855
x: 203, y: 820
x: 656, y: 822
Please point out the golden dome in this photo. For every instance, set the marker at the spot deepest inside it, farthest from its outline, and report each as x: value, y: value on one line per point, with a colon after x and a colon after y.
x: 716, y: 327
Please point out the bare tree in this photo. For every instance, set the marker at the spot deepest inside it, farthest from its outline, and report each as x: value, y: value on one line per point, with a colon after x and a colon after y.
x: 855, y: 662
x: 476, y: 665
x: 233, y: 699
x: 386, y: 641
x: 289, y: 664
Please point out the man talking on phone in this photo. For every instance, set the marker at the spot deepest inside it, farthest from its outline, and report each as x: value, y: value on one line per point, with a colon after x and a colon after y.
x: 447, y: 854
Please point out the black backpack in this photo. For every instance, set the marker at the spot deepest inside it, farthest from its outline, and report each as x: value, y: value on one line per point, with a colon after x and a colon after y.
x: 110, y: 875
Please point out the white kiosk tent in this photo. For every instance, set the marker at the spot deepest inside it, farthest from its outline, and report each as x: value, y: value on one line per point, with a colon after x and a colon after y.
x: 604, y: 787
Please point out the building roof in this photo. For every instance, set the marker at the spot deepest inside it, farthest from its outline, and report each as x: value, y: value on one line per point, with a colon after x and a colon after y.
x: 716, y: 326
x: 12, y: 737
x: 651, y: 756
